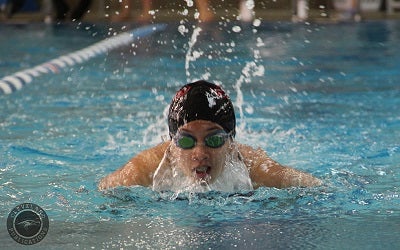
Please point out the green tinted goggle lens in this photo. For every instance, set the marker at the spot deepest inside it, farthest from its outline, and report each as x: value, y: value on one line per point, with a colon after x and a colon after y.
x: 215, y: 140
x: 186, y: 142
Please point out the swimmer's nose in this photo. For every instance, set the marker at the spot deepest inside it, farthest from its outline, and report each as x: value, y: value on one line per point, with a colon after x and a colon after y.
x: 200, y: 153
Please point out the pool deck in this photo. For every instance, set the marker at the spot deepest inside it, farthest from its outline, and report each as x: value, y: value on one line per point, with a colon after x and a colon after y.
x: 166, y: 15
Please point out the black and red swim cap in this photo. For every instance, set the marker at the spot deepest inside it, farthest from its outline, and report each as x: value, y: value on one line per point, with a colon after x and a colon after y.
x: 201, y: 100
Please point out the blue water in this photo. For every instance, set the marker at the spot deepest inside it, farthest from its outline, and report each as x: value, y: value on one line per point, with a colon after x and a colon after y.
x: 323, y: 98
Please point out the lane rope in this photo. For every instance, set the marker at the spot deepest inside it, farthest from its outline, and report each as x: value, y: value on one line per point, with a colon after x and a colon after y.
x: 11, y: 83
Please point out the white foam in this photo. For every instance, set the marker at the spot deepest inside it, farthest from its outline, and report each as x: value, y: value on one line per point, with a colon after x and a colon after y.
x: 234, y: 177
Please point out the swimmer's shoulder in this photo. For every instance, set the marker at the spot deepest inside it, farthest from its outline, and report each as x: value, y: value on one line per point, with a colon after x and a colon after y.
x: 159, y: 149
x: 151, y: 157
x: 138, y: 170
x: 249, y: 153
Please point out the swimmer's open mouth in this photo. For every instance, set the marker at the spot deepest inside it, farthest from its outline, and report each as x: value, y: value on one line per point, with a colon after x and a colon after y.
x: 202, y: 172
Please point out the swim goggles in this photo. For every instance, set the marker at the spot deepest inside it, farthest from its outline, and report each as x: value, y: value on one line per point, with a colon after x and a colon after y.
x: 213, y: 140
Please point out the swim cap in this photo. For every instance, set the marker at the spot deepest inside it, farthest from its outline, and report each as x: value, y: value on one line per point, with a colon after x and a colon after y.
x: 201, y: 100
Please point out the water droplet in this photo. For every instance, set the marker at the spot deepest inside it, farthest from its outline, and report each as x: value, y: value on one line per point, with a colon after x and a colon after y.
x: 182, y: 29
x: 256, y: 22
x: 260, y: 42
x: 189, y: 3
x: 236, y: 29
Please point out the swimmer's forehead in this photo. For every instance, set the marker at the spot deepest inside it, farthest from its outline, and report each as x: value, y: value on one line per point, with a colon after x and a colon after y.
x: 202, y: 125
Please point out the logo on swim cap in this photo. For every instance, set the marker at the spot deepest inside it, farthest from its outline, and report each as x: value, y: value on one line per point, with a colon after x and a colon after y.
x: 201, y: 100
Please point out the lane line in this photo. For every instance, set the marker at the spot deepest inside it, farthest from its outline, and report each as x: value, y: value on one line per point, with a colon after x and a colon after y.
x: 11, y: 83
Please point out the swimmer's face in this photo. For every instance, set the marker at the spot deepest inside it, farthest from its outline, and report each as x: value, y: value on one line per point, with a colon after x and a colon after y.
x: 201, y: 162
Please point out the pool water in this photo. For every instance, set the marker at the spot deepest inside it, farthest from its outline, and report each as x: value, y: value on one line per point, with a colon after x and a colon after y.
x: 323, y: 98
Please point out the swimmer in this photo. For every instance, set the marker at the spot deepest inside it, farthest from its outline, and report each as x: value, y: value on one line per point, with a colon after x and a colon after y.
x: 202, y: 153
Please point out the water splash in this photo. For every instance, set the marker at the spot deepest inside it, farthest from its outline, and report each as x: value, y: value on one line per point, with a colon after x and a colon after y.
x: 234, y: 177
x: 192, y: 55
x: 249, y: 70
x: 157, y: 129
x: 246, y: 9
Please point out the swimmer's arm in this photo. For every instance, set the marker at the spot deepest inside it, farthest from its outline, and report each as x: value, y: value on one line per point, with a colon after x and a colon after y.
x: 137, y: 171
x: 266, y: 172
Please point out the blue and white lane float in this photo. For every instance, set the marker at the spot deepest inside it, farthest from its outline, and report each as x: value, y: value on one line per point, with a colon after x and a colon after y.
x: 16, y: 81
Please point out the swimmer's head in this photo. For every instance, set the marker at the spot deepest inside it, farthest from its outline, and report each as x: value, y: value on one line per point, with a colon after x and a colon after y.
x: 201, y: 100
